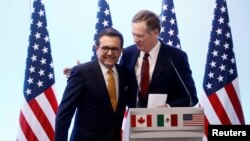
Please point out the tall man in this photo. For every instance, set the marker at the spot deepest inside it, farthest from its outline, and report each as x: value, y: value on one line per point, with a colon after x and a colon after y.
x: 164, y: 65
x: 96, y: 92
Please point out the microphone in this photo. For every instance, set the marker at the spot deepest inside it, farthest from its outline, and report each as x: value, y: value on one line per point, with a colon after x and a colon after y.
x: 182, y: 82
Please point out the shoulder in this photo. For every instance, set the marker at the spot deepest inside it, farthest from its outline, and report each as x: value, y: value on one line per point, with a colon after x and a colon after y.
x: 172, y: 51
x: 171, y: 48
x: 121, y: 68
x: 130, y: 52
x: 131, y: 48
x: 84, y: 67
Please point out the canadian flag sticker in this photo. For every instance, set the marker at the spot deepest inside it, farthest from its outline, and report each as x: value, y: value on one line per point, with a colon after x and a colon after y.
x: 141, y: 120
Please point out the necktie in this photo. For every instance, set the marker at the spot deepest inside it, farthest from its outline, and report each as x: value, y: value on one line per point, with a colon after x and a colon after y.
x: 112, y: 89
x: 145, y: 75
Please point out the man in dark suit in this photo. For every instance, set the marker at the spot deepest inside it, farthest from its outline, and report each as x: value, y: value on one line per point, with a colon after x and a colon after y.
x: 97, y: 118
x: 163, y: 60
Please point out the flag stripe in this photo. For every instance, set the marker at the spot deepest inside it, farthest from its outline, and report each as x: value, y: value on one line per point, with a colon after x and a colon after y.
x: 149, y: 120
x: 174, y: 120
x: 220, y: 111
x: 206, y: 123
x: 133, y: 121
x: 41, y: 117
x: 34, y: 123
x: 46, y: 106
x: 125, y: 118
x: 28, y: 133
x: 49, y: 93
x: 160, y: 120
x: 21, y: 136
x: 209, y: 110
x: 235, y: 102
x: 227, y: 105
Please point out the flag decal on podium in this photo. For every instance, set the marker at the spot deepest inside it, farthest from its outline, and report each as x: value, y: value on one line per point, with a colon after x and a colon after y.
x: 141, y: 120
x: 167, y: 120
x: 193, y: 119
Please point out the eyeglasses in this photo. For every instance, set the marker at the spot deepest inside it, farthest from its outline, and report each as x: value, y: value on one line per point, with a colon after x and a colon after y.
x: 114, y: 50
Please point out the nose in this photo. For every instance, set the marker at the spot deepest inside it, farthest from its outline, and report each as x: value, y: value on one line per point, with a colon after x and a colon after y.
x: 136, y: 39
x: 109, y: 52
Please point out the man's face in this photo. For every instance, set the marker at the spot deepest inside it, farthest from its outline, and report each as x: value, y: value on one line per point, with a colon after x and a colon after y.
x: 109, y: 50
x: 143, y: 38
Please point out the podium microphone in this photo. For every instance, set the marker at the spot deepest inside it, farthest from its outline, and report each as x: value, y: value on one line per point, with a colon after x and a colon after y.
x: 182, y: 82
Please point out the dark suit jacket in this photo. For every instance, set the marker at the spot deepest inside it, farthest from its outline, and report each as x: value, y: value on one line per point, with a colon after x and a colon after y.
x: 164, y: 78
x: 87, y: 95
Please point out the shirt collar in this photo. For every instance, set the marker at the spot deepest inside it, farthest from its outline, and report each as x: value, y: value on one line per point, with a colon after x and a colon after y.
x: 105, y: 69
x: 154, y: 51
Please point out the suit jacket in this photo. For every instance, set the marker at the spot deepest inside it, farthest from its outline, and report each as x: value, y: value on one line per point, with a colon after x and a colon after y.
x: 87, y: 95
x: 164, y: 78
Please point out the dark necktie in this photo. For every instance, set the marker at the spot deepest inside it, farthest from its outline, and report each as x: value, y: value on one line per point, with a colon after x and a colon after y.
x: 112, y: 89
x: 145, y: 75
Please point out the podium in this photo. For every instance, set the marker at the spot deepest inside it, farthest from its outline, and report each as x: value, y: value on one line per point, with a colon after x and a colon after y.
x: 164, y: 124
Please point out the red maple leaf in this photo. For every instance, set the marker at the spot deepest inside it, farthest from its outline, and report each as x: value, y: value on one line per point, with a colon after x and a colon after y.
x: 141, y: 120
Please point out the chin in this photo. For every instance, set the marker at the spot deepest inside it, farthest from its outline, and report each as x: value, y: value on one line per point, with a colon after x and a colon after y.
x: 109, y: 64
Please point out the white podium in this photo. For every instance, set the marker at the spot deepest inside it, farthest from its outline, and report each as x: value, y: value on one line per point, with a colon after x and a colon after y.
x: 164, y: 124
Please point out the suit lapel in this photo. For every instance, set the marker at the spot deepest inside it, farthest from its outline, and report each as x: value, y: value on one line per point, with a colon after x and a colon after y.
x: 160, y: 63
x: 100, y: 81
x: 135, y: 57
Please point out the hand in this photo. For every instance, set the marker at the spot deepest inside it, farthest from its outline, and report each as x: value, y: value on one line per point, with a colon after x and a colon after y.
x: 78, y: 62
x: 67, y: 70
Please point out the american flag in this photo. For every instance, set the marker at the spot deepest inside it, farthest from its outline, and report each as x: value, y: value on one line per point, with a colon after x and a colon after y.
x: 221, y: 97
x: 37, y: 115
x: 103, y: 21
x: 193, y: 119
x: 169, y: 31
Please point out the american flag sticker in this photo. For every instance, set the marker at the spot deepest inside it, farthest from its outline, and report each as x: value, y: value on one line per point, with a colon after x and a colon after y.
x: 193, y: 119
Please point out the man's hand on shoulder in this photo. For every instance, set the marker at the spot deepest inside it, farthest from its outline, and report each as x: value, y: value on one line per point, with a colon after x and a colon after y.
x: 67, y: 70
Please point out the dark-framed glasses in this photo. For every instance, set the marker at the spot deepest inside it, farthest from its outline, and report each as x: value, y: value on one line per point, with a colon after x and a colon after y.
x: 114, y: 50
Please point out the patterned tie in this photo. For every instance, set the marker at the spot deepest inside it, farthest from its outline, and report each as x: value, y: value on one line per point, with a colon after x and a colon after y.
x: 145, y: 75
x: 112, y: 89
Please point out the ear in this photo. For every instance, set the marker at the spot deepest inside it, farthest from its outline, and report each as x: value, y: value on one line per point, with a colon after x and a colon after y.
x: 156, y: 32
x: 121, y: 51
x: 96, y: 47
